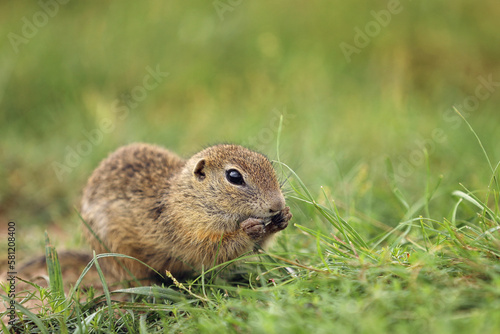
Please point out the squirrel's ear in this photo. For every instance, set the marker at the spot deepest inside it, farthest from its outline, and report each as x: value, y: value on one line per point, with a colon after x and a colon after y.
x: 199, y: 170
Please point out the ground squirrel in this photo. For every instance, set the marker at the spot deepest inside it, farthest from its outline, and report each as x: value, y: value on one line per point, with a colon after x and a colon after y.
x: 182, y: 215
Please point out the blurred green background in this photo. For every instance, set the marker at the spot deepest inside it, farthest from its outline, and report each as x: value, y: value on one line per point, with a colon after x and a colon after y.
x: 82, y: 69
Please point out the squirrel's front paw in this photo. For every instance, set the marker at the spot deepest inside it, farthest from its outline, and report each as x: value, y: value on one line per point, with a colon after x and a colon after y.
x: 279, y: 221
x: 254, y: 227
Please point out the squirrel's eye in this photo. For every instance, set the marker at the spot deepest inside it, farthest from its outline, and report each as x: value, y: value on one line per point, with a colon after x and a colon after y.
x: 235, y: 177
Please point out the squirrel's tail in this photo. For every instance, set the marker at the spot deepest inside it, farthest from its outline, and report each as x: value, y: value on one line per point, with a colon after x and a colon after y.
x: 68, y: 259
x: 72, y: 264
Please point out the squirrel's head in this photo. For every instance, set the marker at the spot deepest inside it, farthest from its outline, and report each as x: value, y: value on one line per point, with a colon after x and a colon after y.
x: 233, y: 182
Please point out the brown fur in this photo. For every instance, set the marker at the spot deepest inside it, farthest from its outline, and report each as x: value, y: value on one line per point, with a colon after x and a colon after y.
x: 181, y: 215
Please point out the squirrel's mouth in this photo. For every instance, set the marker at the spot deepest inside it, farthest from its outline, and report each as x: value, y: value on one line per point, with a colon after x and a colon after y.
x: 265, y: 219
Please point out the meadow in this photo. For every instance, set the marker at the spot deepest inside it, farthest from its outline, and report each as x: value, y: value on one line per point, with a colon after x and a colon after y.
x: 382, y: 117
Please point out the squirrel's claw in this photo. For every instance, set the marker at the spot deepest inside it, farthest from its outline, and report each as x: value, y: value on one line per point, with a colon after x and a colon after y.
x: 279, y: 221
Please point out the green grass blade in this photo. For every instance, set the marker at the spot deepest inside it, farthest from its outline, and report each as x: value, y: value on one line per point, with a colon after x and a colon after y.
x: 156, y: 292
x: 57, y: 298
x: 471, y: 198
x: 106, y: 291
x: 394, y: 186
x: 478, y: 139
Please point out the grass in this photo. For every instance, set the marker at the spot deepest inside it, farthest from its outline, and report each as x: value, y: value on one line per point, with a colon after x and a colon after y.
x: 424, y: 275
x: 395, y: 199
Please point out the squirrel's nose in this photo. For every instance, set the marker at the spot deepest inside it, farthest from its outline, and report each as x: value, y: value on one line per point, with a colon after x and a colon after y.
x: 277, y: 203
